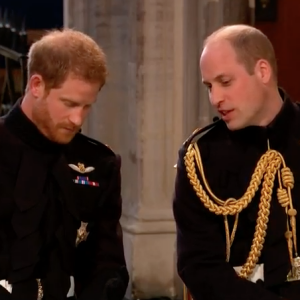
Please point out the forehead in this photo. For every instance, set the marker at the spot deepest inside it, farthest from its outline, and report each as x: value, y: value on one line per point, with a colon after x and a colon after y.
x: 78, y: 84
x: 218, y: 58
x: 77, y: 90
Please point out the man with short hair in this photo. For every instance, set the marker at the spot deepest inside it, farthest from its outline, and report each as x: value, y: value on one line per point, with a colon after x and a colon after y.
x: 237, y: 187
x: 60, y: 191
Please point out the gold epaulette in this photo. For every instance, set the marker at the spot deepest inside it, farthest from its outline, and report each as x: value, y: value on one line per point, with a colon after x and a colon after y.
x: 197, y: 134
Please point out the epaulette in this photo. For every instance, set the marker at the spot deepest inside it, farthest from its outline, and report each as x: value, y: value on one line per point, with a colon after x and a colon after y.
x: 96, y: 143
x: 199, y: 132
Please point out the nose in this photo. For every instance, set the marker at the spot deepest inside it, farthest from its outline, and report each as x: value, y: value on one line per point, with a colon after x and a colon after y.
x: 216, y: 96
x: 77, y: 117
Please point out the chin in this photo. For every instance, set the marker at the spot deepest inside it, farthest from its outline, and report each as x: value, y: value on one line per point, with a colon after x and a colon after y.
x: 64, y: 139
x: 233, y: 126
x: 63, y: 142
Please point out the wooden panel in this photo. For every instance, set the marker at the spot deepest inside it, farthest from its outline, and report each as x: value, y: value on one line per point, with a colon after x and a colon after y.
x: 33, y: 35
x: 285, y: 36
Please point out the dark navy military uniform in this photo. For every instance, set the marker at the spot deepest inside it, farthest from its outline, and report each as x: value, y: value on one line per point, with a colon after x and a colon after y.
x: 47, y: 191
x: 229, y: 159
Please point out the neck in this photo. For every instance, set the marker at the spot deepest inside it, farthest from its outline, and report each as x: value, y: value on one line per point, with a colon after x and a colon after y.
x: 273, y: 105
x: 26, y: 106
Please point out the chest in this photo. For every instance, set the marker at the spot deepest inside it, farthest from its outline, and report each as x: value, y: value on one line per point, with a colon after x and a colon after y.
x: 28, y: 181
x: 89, y: 183
x: 233, y: 170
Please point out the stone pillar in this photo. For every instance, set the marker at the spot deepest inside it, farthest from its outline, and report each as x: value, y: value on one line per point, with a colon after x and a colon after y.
x: 152, y: 101
x: 141, y: 114
x: 155, y: 73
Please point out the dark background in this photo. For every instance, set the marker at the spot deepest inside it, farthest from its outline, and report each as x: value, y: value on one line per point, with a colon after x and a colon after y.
x: 40, y: 14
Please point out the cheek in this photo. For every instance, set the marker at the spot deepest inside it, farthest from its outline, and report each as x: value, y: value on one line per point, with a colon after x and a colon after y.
x: 57, y: 110
x: 243, y: 95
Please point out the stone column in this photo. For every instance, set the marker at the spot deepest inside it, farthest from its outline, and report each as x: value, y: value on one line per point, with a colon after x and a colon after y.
x: 155, y: 74
x: 152, y: 101
x: 140, y: 114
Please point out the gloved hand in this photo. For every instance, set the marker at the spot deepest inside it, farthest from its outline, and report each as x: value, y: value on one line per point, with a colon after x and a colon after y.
x: 108, y: 285
x: 115, y: 288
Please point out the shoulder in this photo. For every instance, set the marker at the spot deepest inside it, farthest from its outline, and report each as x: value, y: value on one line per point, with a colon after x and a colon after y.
x: 210, y: 138
x: 89, y: 146
x: 212, y: 132
x: 6, y: 137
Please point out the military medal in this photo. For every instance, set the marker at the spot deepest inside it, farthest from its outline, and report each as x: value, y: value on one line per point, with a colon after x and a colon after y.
x: 82, y: 233
x: 85, y: 181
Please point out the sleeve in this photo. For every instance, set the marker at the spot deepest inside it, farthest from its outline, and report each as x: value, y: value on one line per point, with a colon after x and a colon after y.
x: 201, y: 249
x: 109, y: 276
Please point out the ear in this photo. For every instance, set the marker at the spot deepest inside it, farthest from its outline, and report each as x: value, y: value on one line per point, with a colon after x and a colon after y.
x: 37, y: 86
x: 263, y: 71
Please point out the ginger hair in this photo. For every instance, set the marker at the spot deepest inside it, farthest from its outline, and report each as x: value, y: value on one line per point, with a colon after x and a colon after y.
x: 62, y: 53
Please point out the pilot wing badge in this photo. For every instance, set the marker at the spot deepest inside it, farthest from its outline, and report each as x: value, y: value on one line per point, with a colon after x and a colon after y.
x: 80, y: 168
x: 83, y: 180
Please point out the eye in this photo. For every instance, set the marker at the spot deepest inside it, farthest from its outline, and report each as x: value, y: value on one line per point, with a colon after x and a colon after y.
x: 208, y: 86
x: 225, y: 82
x: 69, y: 103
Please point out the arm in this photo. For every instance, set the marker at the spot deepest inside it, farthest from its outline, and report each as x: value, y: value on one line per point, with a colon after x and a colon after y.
x: 201, y: 250
x: 109, y: 278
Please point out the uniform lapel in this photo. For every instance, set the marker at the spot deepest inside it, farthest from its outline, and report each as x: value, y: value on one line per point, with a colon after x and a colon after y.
x: 30, y: 181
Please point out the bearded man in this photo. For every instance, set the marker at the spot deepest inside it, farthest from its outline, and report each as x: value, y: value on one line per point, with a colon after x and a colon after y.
x: 60, y: 199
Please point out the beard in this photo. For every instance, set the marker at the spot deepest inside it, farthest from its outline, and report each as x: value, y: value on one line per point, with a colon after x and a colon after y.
x: 56, y: 133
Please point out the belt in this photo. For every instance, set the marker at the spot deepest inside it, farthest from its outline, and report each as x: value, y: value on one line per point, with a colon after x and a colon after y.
x: 71, y: 292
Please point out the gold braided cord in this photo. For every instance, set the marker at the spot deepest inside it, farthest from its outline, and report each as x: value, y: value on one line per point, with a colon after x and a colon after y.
x: 230, y: 238
x: 270, y: 164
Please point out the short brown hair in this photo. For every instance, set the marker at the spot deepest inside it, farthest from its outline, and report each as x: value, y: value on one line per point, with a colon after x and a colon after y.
x: 61, y: 53
x: 249, y: 43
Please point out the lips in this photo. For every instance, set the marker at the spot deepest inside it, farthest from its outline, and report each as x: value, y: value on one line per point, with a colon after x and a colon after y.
x: 226, y: 114
x: 69, y: 129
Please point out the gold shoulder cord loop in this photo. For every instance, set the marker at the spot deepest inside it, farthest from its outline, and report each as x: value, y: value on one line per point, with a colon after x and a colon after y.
x: 270, y: 164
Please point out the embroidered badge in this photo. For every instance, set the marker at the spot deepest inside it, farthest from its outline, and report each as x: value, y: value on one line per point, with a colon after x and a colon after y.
x: 85, y: 181
x: 81, y: 168
x: 82, y: 233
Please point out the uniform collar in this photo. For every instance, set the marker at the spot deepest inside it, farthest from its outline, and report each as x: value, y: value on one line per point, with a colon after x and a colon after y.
x: 22, y: 127
x: 277, y: 131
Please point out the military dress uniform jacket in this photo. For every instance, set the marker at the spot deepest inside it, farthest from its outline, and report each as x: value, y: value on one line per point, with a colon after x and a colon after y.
x: 229, y: 159
x: 46, y: 192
